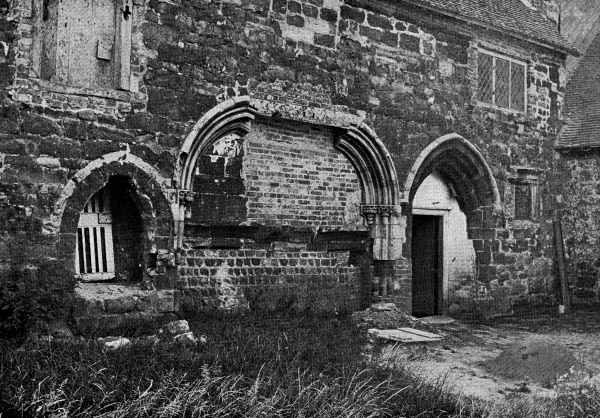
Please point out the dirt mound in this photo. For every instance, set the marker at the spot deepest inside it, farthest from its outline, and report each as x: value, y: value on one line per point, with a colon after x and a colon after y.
x: 538, y: 359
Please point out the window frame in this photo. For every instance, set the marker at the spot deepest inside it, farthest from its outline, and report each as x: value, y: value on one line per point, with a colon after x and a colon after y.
x: 126, y: 76
x: 511, y: 61
x: 527, y: 176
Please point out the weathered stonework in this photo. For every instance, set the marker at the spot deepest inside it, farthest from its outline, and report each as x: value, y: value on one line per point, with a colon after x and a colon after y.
x: 275, y: 148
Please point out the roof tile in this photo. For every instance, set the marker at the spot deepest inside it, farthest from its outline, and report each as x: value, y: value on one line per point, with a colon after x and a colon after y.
x: 582, y: 102
x: 508, y: 15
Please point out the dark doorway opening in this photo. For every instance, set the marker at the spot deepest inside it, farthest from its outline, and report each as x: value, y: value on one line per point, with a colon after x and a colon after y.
x: 426, y: 251
x: 127, y: 230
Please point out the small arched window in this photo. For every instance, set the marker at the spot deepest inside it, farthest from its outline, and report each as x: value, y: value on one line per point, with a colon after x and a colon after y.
x: 94, y: 258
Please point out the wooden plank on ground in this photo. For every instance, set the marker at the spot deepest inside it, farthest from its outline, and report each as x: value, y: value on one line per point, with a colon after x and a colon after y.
x: 404, y: 336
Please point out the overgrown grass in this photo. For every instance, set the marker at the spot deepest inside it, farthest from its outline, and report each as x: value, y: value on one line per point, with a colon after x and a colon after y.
x: 250, y: 367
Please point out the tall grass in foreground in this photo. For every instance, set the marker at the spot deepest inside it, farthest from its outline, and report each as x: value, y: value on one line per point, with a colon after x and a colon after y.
x: 250, y: 367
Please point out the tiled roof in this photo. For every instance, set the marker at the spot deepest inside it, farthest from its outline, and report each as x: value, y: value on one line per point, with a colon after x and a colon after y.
x: 580, y: 23
x: 510, y: 16
x: 582, y: 102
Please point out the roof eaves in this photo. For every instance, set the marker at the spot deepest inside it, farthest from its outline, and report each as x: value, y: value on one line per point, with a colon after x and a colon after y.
x: 580, y: 146
x: 571, y: 50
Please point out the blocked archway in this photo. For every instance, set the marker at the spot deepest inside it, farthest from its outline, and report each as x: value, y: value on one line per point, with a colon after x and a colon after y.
x: 359, y: 144
x: 464, y: 170
x: 146, y: 191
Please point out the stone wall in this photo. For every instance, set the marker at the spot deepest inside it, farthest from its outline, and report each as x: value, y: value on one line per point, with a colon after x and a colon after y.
x: 311, y: 69
x: 282, y: 278
x: 578, y: 210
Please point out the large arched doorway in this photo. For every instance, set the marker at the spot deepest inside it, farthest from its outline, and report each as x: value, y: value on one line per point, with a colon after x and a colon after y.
x: 449, y: 177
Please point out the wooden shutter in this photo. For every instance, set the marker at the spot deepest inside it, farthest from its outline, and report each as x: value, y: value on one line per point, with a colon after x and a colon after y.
x: 94, y: 256
x: 86, y: 43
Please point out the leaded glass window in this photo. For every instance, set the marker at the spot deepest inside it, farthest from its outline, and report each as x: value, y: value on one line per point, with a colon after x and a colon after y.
x: 501, y: 82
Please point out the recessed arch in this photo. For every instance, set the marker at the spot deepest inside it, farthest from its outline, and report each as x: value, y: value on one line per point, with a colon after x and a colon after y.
x: 462, y: 166
x: 233, y: 116
x: 147, y: 188
x: 359, y: 143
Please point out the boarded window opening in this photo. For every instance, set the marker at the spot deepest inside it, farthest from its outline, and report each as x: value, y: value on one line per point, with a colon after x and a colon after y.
x: 526, y: 200
x: 86, y: 43
x: 523, y: 203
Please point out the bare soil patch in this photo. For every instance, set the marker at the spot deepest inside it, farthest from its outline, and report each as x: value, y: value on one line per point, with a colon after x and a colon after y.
x: 504, y: 358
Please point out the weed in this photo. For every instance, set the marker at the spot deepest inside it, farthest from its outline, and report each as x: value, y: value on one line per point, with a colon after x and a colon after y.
x: 251, y: 366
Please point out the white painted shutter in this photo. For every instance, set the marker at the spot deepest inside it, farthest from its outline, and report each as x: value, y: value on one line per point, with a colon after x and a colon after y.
x: 94, y: 257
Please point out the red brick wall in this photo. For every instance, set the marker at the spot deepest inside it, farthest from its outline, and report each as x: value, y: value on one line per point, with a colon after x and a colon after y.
x: 253, y: 238
x: 261, y: 279
x: 295, y: 176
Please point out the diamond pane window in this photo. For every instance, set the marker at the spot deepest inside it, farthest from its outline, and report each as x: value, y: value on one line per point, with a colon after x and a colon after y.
x: 502, y: 91
x: 501, y: 82
x: 517, y: 80
x: 486, y: 78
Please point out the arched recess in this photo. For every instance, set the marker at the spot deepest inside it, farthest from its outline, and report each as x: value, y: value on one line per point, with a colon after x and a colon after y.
x: 233, y: 116
x: 362, y: 147
x: 463, y: 168
x: 148, y: 192
x: 379, y: 182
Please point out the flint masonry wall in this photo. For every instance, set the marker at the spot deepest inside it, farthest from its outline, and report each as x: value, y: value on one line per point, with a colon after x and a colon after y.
x: 410, y: 76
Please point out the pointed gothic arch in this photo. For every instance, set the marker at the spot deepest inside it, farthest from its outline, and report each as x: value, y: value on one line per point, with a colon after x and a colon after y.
x: 147, y: 189
x: 460, y: 164
x: 362, y: 147
x: 379, y: 182
x: 463, y: 168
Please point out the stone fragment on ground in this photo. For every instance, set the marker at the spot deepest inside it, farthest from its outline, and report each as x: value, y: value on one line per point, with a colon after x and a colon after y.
x: 114, y: 343
x: 179, y: 332
x: 186, y: 339
x: 175, y: 328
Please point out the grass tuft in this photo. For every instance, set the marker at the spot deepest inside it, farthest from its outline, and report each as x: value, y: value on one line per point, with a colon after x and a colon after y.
x: 310, y: 366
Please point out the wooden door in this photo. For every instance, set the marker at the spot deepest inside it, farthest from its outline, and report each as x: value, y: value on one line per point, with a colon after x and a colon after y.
x: 426, y: 265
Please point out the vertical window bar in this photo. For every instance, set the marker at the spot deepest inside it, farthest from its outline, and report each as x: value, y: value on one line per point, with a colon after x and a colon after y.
x: 494, y: 80
x: 510, y: 65
x: 80, y: 251
x: 96, y: 250
x: 88, y: 253
x: 103, y: 243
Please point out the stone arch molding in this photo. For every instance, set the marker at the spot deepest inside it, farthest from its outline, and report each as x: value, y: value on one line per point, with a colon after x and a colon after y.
x: 461, y: 163
x: 371, y: 160
x: 152, y: 198
x: 122, y: 158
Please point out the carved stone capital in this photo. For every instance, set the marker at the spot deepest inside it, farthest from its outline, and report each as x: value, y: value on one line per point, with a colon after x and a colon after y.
x: 186, y: 197
x: 370, y: 211
x: 181, y: 196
